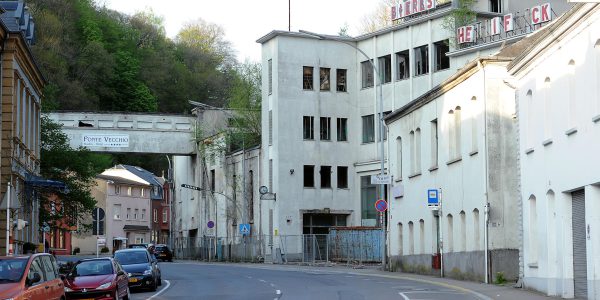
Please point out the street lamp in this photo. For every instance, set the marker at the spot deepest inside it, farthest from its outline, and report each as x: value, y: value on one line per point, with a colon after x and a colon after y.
x: 380, y: 128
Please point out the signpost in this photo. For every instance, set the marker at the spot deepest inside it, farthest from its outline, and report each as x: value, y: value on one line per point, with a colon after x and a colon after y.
x: 434, y: 201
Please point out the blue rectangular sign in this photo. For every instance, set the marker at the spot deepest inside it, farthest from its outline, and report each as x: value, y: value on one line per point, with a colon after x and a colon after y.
x: 244, y: 229
x: 433, y: 198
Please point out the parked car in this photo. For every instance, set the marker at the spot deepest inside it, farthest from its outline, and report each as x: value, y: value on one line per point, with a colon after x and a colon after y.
x: 145, y: 246
x: 163, y: 252
x: 141, y: 266
x: 32, y: 277
x: 97, y: 278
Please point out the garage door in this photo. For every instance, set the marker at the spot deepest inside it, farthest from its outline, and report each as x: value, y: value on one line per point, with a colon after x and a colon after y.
x: 579, y: 249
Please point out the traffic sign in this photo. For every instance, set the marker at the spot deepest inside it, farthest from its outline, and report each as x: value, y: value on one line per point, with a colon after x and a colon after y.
x: 244, y: 229
x: 101, y: 241
x: 187, y: 186
x: 381, y: 179
x: 98, y: 212
x: 433, y: 197
x: 210, y: 224
x: 381, y: 205
x: 46, y: 228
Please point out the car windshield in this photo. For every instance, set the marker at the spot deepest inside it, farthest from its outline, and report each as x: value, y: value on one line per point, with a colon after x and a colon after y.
x: 161, y: 248
x: 92, y: 268
x: 11, y: 270
x: 131, y: 257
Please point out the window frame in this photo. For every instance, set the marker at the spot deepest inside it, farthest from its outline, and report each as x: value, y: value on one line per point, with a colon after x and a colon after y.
x: 325, y: 79
x: 419, y: 53
x: 384, y: 63
x: 310, y: 126
x: 342, y: 181
x: 325, y: 177
x: 342, y: 129
x: 325, y: 129
x: 341, y: 80
x: 442, y: 61
x: 405, y: 54
x: 367, y: 75
x: 368, y: 137
x: 305, y: 170
x: 308, y: 78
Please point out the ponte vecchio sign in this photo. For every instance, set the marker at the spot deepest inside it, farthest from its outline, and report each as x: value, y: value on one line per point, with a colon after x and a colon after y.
x: 105, y: 140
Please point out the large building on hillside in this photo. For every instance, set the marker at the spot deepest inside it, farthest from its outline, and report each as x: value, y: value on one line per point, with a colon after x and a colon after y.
x: 320, y: 142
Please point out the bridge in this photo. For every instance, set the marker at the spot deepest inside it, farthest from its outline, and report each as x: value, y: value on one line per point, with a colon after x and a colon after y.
x: 129, y: 132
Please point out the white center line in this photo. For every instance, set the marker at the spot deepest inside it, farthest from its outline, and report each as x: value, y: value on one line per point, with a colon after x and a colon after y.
x: 273, y: 285
x: 161, y: 291
x: 404, y: 296
x: 262, y: 280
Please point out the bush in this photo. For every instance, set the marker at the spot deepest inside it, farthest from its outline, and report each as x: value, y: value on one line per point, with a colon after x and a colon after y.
x: 76, y: 250
x: 104, y: 250
x: 500, y: 278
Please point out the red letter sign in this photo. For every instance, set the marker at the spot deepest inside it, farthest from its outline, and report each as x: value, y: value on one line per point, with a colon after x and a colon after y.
x: 546, y: 12
x: 535, y: 15
x: 508, y: 22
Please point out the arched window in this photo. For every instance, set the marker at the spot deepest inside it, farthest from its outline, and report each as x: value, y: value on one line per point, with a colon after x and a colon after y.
x: 474, y: 140
x: 572, y: 95
x: 547, y: 109
x: 476, y: 235
x: 597, y: 52
x: 411, y: 238
x: 533, y: 232
x: 451, y: 134
x: 530, y: 120
x: 457, y: 135
x: 418, y: 150
x: 422, y: 236
x: 399, y: 157
x: 552, y: 244
x: 450, y: 236
x: 400, y: 239
x: 463, y: 231
x: 412, y: 153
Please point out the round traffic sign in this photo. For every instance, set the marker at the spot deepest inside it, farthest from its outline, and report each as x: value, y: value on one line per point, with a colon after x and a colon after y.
x: 210, y: 224
x: 381, y: 205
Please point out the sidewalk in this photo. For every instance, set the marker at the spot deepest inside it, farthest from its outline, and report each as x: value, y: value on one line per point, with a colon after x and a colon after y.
x: 482, y: 290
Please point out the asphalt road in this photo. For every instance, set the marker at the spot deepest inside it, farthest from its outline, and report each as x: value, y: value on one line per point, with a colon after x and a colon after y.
x: 223, y: 281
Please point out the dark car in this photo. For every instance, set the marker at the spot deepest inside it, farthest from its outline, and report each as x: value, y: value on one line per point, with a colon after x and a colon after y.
x: 32, y: 277
x: 141, y: 266
x: 163, y: 252
x: 97, y: 278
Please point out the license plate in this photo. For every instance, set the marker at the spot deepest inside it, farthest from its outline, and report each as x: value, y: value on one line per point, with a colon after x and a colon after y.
x: 162, y: 255
x: 133, y: 280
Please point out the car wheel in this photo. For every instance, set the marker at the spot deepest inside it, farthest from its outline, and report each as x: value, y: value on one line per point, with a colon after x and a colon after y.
x: 153, y: 287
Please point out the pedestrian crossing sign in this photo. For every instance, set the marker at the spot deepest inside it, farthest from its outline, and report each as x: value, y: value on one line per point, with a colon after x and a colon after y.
x: 244, y: 229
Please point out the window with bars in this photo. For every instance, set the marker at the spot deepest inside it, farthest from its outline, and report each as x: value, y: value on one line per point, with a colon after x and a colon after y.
x: 325, y: 128
x: 385, y: 68
x: 421, y: 60
x: 270, y: 127
x: 324, y: 75
x: 402, y: 65
x: 270, y: 70
x: 367, y: 74
x: 342, y: 129
x: 307, y: 78
x: 308, y: 126
x: 341, y: 80
x: 368, y: 132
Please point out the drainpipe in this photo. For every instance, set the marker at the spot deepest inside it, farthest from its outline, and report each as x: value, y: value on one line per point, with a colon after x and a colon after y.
x: 486, y: 206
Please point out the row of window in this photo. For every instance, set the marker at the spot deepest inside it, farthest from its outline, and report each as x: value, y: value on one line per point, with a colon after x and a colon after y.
x: 129, y: 191
x: 164, y: 216
x: 403, y: 58
x: 324, y: 79
x: 325, y: 173
x: 308, y: 128
x: 450, y: 244
x: 128, y: 216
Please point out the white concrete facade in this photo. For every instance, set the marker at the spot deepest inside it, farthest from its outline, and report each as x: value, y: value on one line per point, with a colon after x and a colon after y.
x: 558, y: 81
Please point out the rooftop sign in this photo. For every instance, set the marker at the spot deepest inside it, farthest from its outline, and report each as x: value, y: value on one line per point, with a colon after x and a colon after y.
x: 411, y: 7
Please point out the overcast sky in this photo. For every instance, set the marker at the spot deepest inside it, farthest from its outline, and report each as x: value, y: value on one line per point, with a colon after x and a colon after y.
x: 245, y: 21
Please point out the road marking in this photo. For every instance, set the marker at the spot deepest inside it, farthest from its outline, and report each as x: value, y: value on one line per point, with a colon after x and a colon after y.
x: 161, y: 291
x: 273, y: 285
x: 404, y: 296
x: 278, y: 293
x: 262, y: 280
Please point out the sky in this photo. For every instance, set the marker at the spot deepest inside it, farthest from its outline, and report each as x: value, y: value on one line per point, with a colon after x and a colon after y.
x: 245, y: 21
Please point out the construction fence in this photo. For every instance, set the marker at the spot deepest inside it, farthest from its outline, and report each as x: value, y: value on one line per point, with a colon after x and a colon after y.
x: 349, y: 246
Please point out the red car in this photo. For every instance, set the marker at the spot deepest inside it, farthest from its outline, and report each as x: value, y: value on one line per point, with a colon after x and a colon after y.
x: 32, y: 277
x: 98, y: 279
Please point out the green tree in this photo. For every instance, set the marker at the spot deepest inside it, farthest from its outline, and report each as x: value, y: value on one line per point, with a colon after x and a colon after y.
x: 245, y: 124
x: 78, y: 172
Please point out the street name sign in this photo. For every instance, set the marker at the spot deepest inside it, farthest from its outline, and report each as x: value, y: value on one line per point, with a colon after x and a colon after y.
x: 381, y: 179
x: 187, y: 186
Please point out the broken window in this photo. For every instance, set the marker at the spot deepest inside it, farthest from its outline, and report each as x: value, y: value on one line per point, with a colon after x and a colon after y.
x: 325, y: 176
x: 307, y: 78
x: 442, y: 61
x: 325, y: 127
x: 342, y: 177
x: 324, y: 78
x: 421, y: 60
x: 367, y: 74
x: 341, y: 80
x: 308, y: 125
x: 402, y: 65
x: 495, y: 6
x: 342, y: 129
x: 385, y: 68
x: 309, y: 176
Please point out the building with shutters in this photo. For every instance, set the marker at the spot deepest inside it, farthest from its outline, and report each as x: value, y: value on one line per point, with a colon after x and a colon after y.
x: 558, y: 99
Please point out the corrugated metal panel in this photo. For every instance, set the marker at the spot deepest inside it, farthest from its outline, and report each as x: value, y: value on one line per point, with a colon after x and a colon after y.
x: 579, y: 244
x: 358, y: 244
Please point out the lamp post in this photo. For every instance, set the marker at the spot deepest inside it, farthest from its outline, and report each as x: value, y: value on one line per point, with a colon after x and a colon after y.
x: 380, y: 124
